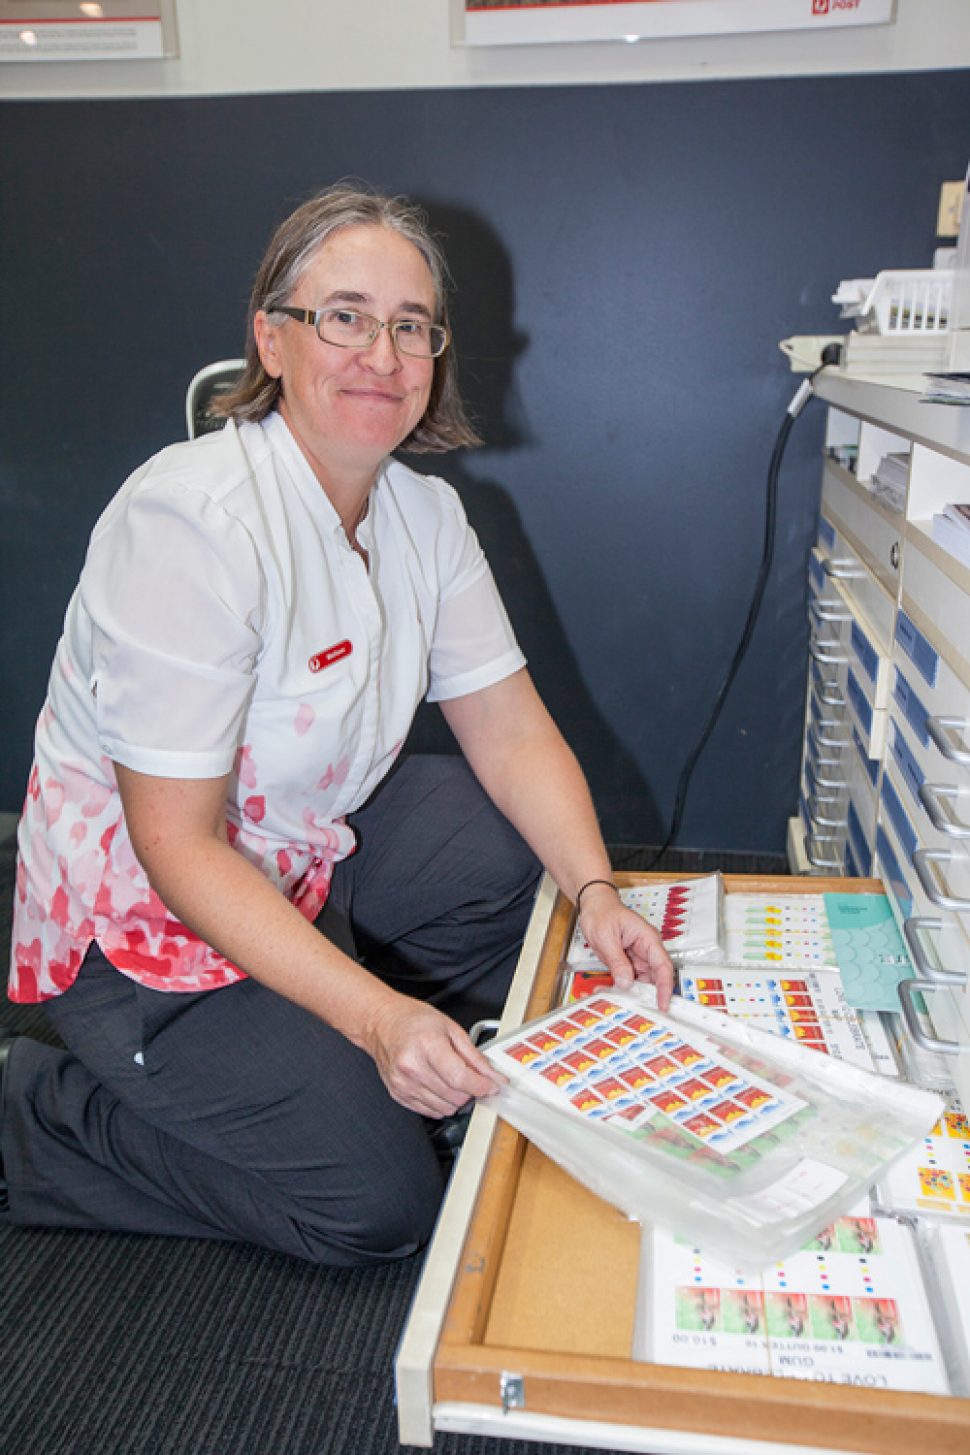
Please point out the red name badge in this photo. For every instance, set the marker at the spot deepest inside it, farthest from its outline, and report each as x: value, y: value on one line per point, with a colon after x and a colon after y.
x: 332, y: 654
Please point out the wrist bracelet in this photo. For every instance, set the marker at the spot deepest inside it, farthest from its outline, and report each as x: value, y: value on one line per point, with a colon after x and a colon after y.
x: 588, y: 885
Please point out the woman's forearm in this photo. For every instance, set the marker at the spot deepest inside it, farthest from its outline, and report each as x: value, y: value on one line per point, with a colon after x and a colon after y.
x: 531, y: 774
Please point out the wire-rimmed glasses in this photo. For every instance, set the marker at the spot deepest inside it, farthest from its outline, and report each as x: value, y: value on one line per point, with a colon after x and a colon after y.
x: 346, y: 328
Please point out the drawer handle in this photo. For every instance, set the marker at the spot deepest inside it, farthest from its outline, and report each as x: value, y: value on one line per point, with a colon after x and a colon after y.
x: 929, y: 796
x: 830, y: 798
x: 906, y: 989
x: 829, y: 693
x: 923, y: 859
x: 913, y: 929
x: 829, y: 742
x: 818, y: 721
x: 842, y: 568
x: 836, y: 784
x: 827, y: 864
x: 825, y: 611
x: 940, y: 730
x: 814, y: 742
x: 822, y: 652
x: 826, y: 823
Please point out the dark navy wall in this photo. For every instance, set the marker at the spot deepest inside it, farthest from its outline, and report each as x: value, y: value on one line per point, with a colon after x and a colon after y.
x: 626, y: 260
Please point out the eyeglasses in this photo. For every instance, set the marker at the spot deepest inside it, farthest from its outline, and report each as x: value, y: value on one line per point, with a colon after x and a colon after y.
x: 348, y: 329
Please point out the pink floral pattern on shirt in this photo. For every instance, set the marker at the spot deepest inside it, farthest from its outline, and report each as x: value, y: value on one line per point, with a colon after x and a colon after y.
x: 95, y: 889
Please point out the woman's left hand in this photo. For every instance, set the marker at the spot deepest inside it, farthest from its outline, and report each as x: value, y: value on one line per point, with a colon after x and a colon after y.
x: 628, y: 947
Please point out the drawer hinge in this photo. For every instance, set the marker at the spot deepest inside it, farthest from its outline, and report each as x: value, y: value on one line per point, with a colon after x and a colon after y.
x: 512, y: 1390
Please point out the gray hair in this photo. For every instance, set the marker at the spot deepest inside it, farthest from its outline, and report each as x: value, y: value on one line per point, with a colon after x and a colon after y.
x: 293, y: 246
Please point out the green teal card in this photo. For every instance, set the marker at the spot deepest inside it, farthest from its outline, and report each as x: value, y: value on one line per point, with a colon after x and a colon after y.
x: 869, y: 950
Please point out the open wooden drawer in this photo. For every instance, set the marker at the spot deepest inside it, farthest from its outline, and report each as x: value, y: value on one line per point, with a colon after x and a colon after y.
x: 523, y: 1322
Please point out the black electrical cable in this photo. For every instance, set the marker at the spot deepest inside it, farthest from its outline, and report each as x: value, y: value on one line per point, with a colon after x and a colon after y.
x: 764, y: 570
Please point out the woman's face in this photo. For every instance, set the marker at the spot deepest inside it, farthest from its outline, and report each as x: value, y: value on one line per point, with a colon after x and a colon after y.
x: 349, y: 407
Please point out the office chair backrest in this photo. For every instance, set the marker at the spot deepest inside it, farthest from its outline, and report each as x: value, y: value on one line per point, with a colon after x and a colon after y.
x: 207, y: 384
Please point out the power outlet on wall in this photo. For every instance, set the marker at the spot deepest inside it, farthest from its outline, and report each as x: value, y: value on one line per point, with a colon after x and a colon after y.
x: 951, y: 205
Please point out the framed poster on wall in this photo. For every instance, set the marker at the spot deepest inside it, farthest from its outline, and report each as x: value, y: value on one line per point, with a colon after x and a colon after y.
x: 86, y: 30
x: 533, y: 22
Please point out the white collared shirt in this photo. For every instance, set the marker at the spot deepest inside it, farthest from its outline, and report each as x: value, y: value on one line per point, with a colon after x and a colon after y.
x: 224, y: 624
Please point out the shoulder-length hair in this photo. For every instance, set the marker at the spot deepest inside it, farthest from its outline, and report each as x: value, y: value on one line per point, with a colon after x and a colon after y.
x: 444, y: 424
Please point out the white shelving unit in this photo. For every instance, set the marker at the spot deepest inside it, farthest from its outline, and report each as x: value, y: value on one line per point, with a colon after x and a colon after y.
x: 885, y: 782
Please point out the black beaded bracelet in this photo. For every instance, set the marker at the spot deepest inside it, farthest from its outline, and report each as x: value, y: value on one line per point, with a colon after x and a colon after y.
x: 588, y: 885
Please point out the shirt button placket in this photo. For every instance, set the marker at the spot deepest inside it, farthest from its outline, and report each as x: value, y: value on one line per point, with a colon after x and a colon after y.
x: 367, y: 607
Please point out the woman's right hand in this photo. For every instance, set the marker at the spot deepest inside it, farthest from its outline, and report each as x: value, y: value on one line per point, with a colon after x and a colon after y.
x: 426, y: 1061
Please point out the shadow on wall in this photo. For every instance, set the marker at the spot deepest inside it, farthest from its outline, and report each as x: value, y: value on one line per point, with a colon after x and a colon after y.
x: 489, y: 347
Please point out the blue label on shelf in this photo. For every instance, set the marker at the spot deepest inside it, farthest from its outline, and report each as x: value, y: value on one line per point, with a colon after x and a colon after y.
x: 894, y: 875
x: 865, y: 651
x: 826, y: 531
x: 917, y: 648
x: 898, y: 818
x: 859, y: 841
x: 860, y: 702
x: 871, y: 765
x: 913, y: 774
x: 913, y: 710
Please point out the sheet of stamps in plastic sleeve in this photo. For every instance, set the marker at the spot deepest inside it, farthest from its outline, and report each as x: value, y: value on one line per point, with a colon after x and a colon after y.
x: 605, y: 1059
x: 686, y: 913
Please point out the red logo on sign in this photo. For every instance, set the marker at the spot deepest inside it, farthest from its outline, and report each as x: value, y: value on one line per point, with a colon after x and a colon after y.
x: 820, y: 7
x: 332, y: 654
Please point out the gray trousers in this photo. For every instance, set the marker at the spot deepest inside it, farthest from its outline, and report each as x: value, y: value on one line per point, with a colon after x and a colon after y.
x: 235, y: 1114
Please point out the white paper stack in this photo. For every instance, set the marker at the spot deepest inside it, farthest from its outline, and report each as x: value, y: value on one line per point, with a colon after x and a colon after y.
x: 890, y: 479
x: 951, y: 530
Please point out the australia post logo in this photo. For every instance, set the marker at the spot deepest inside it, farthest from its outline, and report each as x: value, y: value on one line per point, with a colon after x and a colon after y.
x: 827, y: 7
x: 329, y: 655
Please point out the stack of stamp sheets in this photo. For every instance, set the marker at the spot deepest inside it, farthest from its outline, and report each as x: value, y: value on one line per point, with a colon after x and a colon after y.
x: 806, y: 1006
x: 771, y: 959
x: 849, y: 1308
x: 875, y: 1295
x: 781, y: 972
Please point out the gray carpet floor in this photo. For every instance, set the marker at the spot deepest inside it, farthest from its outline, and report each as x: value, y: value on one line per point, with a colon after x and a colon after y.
x: 113, y: 1344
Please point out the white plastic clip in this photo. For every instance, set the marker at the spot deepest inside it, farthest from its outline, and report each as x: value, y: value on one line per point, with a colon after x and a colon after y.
x: 512, y: 1390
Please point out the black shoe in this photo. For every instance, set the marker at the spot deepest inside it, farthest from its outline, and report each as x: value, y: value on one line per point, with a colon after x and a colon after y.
x: 7, y: 1040
x: 448, y: 1135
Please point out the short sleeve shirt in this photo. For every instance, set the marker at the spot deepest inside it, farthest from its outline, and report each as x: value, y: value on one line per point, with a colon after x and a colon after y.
x: 224, y: 624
